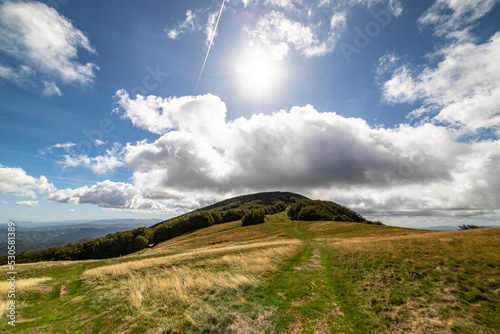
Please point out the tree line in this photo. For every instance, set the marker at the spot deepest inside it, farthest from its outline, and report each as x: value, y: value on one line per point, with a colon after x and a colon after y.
x: 312, y: 210
x: 127, y: 242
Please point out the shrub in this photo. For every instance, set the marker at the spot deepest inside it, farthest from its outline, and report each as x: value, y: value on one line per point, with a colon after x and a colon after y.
x: 216, y: 216
x: 232, y: 215
x: 469, y: 226
x: 311, y: 212
x: 253, y: 217
x: 140, y: 242
x: 322, y: 210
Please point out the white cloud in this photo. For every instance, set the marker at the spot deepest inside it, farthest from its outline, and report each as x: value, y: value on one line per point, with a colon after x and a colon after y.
x: 401, y: 87
x: 463, y: 88
x: 27, y: 203
x: 190, y: 23
x: 50, y: 88
x: 289, y: 4
x: 394, y: 6
x: 280, y: 34
x: 100, y: 164
x: 111, y: 210
x: 43, y: 41
x: 21, y: 76
x: 248, y: 2
x: 386, y: 63
x: 15, y: 180
x: 210, y: 27
x: 159, y: 115
x: 172, y: 33
x: 311, y: 29
x: 195, y: 161
x: 453, y: 18
x: 107, y: 194
x: 338, y: 20
x: 65, y: 146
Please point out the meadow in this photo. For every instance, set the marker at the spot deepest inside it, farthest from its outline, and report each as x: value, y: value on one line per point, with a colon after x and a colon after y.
x: 281, y: 276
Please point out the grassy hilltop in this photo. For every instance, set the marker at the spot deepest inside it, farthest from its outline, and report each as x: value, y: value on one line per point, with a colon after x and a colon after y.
x: 280, y: 276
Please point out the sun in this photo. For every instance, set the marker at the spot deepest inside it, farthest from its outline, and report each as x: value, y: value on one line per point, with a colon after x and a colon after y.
x: 258, y: 74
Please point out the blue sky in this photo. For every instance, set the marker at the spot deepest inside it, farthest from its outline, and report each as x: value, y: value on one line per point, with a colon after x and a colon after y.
x: 389, y: 107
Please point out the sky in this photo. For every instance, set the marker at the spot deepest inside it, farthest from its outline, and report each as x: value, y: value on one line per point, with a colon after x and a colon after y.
x: 149, y: 109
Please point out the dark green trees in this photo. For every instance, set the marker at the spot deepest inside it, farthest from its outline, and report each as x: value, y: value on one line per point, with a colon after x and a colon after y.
x: 253, y: 217
x: 322, y: 210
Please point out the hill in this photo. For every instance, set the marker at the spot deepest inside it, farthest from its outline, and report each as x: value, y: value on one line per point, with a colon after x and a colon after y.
x: 251, y: 209
x: 252, y: 201
x: 234, y: 208
x: 281, y: 276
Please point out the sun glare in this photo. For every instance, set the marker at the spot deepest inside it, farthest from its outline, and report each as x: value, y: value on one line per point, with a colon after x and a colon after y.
x: 258, y: 73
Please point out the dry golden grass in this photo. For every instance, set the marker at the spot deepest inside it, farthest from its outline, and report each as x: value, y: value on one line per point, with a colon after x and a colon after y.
x: 182, y: 284
x: 258, y: 261
x: 3, y: 306
x: 179, y: 286
x: 166, y: 296
x: 21, y: 284
x: 127, y: 267
x: 47, y: 264
x: 219, y: 234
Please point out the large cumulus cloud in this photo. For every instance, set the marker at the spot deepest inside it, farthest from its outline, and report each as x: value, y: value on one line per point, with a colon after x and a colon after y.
x: 195, y: 160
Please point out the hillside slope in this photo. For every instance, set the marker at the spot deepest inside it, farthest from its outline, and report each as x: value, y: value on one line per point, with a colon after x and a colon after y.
x: 281, y: 276
x: 235, y: 207
x: 251, y: 209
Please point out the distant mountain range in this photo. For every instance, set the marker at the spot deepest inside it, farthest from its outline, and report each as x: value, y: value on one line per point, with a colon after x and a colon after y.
x: 37, y: 236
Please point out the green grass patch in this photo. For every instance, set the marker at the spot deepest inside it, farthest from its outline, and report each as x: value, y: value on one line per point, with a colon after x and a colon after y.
x: 445, y: 282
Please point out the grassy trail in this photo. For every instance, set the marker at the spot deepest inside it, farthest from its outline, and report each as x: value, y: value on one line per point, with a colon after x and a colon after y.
x: 308, y: 303
x: 303, y: 291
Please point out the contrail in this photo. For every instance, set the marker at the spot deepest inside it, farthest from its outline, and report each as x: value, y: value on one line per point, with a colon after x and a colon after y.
x: 210, y: 45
